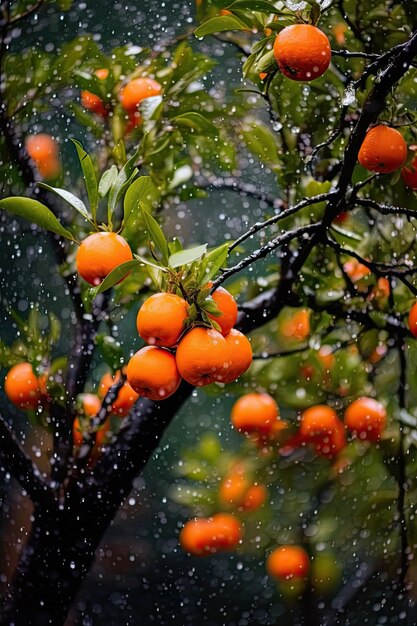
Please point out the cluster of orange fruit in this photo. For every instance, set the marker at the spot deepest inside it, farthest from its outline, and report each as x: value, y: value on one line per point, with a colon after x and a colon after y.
x: 202, y: 355
x: 130, y: 96
x: 257, y: 415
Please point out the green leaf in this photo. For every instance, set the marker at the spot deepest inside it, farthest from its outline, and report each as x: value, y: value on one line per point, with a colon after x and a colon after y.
x: 187, y: 256
x: 156, y: 234
x: 127, y: 172
x: 261, y: 142
x: 149, y: 107
x: 35, y: 212
x: 90, y: 177
x: 143, y: 261
x: 219, y: 25
x: 54, y: 329
x: 211, y: 307
x: 116, y: 276
x: 215, y: 260
x: 255, y: 5
x: 106, y: 181
x: 141, y: 192
x: 196, y: 123
x: 346, y: 233
x: 69, y: 197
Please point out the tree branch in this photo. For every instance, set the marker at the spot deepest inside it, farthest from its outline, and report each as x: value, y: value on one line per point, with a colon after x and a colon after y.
x: 14, y: 460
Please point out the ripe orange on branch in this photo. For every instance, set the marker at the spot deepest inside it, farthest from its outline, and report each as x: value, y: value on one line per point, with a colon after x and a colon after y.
x: 22, y: 387
x: 412, y: 320
x: 366, y: 418
x: 255, y: 413
x: 302, y: 52
x: 137, y: 90
x: 321, y: 427
x: 239, y: 352
x: 152, y: 372
x: 202, y: 357
x: 383, y: 150
x: 99, y: 254
x: 228, y: 308
x: 161, y: 318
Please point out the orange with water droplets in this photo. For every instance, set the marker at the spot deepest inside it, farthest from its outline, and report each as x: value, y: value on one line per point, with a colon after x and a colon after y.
x: 297, y: 327
x: 302, y: 52
x: 254, y: 498
x: 366, y: 418
x: 383, y: 150
x: 99, y: 254
x: 203, y: 357
x: 228, y: 308
x: 321, y: 427
x: 22, y: 387
x: 161, y: 319
x: 255, y: 413
x: 91, y: 101
x: 239, y: 354
x: 412, y: 320
x: 152, y: 372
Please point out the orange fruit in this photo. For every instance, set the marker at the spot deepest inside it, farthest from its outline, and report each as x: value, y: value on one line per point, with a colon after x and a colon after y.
x: 412, y: 320
x: 99, y: 254
x: 233, y: 487
x: 228, y: 308
x: 22, y: 388
x: 298, y: 326
x: 383, y: 150
x: 339, y: 30
x: 239, y: 353
x: 254, y: 498
x: 137, y: 90
x: 161, y: 319
x: 152, y: 372
x: 366, y: 418
x: 43, y: 150
x: 302, y: 52
x: 255, y: 413
x: 203, y: 536
x: 203, y: 356
x: 126, y: 397
x: 91, y: 101
x: 409, y: 172
x: 288, y: 562
x: 321, y: 427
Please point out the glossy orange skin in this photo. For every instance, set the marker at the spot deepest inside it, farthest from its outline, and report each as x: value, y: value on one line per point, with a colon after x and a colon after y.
x: 203, y: 357
x: 366, y: 418
x: 203, y: 536
x: 126, y: 397
x: 412, y: 320
x: 227, y: 306
x: 43, y: 150
x: 99, y: 254
x: 302, y: 52
x: 239, y: 353
x: 161, y: 318
x: 383, y: 150
x: 93, y: 103
x: 288, y: 562
x: 22, y: 388
x: 137, y: 90
x: 152, y: 372
x: 255, y: 413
